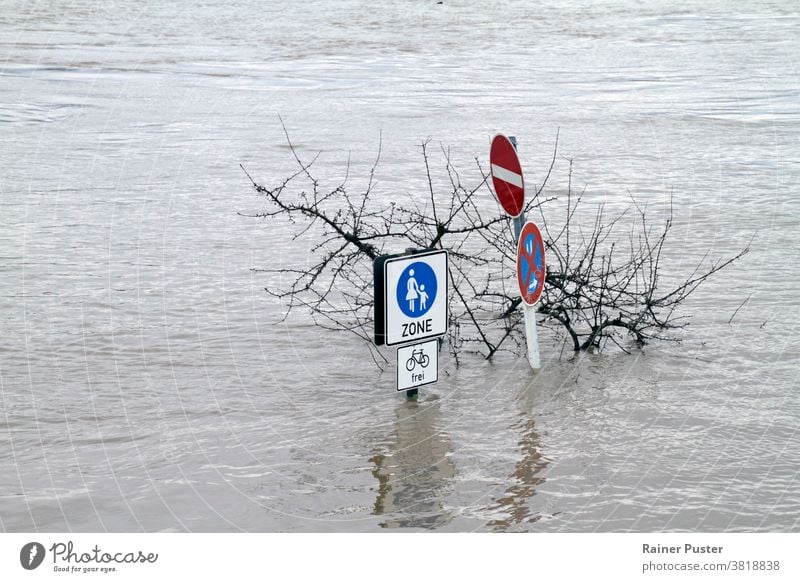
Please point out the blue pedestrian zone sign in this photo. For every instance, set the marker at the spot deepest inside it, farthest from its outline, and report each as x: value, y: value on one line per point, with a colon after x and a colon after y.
x: 416, y: 289
x: 410, y: 297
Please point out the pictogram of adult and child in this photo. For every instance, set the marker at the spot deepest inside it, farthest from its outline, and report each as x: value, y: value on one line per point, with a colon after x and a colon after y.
x: 416, y: 289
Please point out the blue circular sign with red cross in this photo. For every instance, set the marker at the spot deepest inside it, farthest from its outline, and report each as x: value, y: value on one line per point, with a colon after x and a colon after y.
x: 530, y: 263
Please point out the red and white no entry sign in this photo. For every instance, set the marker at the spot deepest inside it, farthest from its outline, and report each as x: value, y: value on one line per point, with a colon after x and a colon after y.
x: 530, y: 263
x: 507, y: 175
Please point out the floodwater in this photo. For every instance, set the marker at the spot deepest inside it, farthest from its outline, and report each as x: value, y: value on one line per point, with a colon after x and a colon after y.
x: 149, y: 384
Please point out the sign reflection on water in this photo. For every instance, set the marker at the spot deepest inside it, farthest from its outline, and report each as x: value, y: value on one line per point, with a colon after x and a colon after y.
x: 415, y: 474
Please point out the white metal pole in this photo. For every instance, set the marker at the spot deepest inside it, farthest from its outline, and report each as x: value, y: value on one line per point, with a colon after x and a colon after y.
x: 530, y: 336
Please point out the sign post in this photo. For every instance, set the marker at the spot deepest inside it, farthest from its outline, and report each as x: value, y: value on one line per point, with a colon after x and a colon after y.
x: 531, y: 274
x: 509, y: 187
x: 411, y: 305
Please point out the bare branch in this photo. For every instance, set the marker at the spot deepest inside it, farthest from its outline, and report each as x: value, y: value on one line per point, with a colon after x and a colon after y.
x: 602, y: 285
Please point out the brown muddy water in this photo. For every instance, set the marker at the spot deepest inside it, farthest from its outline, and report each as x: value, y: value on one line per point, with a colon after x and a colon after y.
x: 149, y: 384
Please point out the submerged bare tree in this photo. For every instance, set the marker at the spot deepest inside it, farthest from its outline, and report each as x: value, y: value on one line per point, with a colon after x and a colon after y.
x: 602, y: 282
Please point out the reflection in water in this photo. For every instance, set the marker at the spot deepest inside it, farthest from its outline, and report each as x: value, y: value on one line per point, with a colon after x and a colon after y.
x: 415, y: 475
x: 515, y: 504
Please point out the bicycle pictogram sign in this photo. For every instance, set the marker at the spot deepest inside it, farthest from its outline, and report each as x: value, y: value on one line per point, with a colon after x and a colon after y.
x: 417, y: 357
x: 417, y: 364
x: 530, y: 263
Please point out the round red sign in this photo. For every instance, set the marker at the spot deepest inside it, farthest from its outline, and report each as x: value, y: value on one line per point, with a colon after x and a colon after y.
x: 530, y: 263
x: 507, y: 175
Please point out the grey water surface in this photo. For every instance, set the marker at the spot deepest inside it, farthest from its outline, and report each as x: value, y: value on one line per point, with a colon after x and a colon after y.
x: 147, y: 382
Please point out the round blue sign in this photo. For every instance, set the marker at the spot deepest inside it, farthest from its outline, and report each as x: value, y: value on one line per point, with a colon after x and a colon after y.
x: 416, y: 289
x: 530, y: 263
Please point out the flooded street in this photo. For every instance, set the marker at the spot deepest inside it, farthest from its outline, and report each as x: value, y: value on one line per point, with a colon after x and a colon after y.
x: 148, y: 383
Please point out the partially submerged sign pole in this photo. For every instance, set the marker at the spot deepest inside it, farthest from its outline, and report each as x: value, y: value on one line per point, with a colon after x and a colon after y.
x: 531, y: 273
x: 509, y: 187
x: 411, y: 306
x: 520, y: 219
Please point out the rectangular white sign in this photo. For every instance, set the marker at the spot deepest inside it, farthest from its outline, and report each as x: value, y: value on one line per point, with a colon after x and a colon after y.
x: 415, y: 297
x: 417, y: 365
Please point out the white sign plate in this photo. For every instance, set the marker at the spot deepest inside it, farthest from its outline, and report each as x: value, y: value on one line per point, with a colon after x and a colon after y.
x: 415, y: 297
x: 417, y: 365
